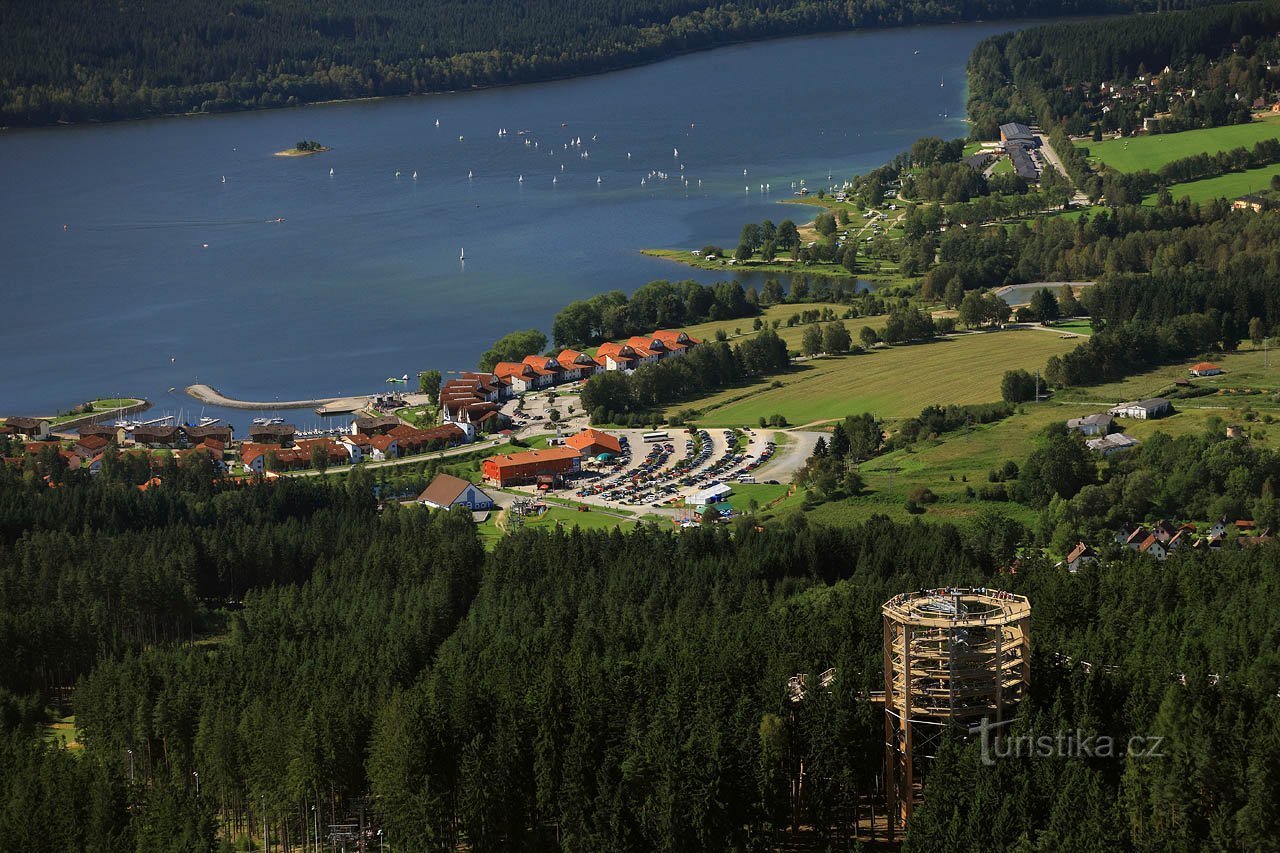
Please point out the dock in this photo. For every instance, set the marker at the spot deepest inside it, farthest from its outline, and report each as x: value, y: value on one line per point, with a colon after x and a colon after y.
x: 211, y: 396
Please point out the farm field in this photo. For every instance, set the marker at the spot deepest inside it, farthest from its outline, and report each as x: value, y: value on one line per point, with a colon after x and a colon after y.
x: 1243, y: 370
x: 1152, y: 152
x: 1231, y: 185
x: 894, y: 382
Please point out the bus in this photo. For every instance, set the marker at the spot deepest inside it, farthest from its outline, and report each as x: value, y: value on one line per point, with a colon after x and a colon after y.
x: 651, y: 437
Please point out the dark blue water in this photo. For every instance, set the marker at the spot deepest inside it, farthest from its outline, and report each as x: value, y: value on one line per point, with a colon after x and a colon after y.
x: 361, y: 280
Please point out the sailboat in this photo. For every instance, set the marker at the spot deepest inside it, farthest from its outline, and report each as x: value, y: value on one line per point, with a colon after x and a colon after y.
x: 469, y: 174
x: 415, y: 176
x: 437, y: 122
x: 331, y: 172
x: 224, y: 179
x: 598, y: 181
x: 462, y: 254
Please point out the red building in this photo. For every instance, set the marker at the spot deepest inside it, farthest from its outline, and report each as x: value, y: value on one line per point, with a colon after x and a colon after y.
x: 527, y: 467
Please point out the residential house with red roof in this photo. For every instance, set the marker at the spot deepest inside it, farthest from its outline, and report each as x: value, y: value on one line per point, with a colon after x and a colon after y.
x: 576, y: 365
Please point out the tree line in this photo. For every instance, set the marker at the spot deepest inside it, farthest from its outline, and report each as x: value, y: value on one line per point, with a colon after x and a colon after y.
x: 66, y: 62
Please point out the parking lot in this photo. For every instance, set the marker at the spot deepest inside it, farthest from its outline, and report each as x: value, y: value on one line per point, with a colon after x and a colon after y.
x: 659, y: 475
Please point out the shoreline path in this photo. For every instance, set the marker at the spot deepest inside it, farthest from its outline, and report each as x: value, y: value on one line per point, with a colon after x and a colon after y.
x: 212, y: 396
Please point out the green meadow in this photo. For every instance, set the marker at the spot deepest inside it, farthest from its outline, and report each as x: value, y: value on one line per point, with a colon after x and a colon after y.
x: 892, y: 382
x: 1152, y: 152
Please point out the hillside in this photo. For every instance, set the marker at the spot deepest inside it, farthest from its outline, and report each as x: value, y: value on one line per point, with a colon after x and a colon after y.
x: 63, y: 61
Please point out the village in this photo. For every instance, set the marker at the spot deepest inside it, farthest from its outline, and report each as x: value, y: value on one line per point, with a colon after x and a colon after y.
x: 529, y: 409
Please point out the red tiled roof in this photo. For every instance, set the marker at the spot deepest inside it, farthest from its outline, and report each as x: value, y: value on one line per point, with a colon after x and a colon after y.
x: 382, y: 442
x: 508, y: 460
x: 1205, y: 365
x: 594, y: 438
x: 93, y: 442
x: 512, y: 368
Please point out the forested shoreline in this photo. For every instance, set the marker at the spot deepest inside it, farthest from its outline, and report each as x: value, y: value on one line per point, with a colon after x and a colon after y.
x: 67, y: 62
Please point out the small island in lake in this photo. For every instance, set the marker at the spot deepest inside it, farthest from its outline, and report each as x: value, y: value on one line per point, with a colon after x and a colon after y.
x: 304, y: 148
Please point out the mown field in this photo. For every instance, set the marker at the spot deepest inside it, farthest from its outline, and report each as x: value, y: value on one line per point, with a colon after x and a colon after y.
x: 1232, y: 185
x: 1244, y: 371
x: 894, y: 382
x: 740, y: 329
x: 1152, y: 152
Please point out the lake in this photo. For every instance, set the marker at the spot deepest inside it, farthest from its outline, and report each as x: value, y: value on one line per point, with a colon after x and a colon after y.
x: 144, y: 256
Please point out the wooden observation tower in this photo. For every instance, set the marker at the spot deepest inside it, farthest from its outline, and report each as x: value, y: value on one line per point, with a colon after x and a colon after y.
x: 952, y: 658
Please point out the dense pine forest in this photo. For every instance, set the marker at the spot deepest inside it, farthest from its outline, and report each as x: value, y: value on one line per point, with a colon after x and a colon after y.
x: 67, y: 61
x: 582, y: 691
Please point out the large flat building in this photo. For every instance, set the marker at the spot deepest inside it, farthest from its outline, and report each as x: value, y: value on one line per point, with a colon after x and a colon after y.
x: 513, y: 469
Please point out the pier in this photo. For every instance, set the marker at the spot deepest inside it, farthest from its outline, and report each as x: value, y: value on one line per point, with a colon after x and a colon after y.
x: 211, y: 396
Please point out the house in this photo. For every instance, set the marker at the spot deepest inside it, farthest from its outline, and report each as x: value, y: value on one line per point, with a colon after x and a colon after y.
x: 30, y: 428
x: 446, y: 492
x: 89, y: 446
x: 649, y: 350
x: 1099, y: 424
x: 519, y: 375
x: 377, y: 425
x: 1164, y: 531
x: 1113, y: 443
x: 1205, y: 368
x: 281, y: 434
x: 359, y: 446
x: 531, y: 465
x: 593, y: 442
x: 337, y: 452
x: 1153, y: 547
x: 254, y: 457
x: 157, y: 434
x: 1144, y: 409
x: 1219, y: 529
x: 676, y: 341
x: 107, y: 431
x: 576, y: 365
x: 545, y: 368
x: 615, y: 356
x: 472, y: 416
x: 384, y: 447
x: 979, y: 161
x: 1256, y: 203
x: 413, y: 440
x: 1080, y: 556
x: 1136, y: 537
x: 196, y: 435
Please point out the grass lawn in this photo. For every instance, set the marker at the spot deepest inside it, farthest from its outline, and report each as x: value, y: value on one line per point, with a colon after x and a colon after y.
x: 419, y: 416
x: 106, y: 404
x: 1197, y: 421
x: 569, y: 518
x: 756, y: 265
x: 62, y: 732
x: 790, y: 334
x: 761, y: 493
x: 1152, y: 152
x: 1231, y: 185
x: 892, y: 383
x: 1003, y: 166
x: 1244, y: 371
x: 947, y: 466
x: 1080, y: 327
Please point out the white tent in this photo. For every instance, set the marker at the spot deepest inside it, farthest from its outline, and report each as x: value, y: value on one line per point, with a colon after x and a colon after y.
x: 708, y: 496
